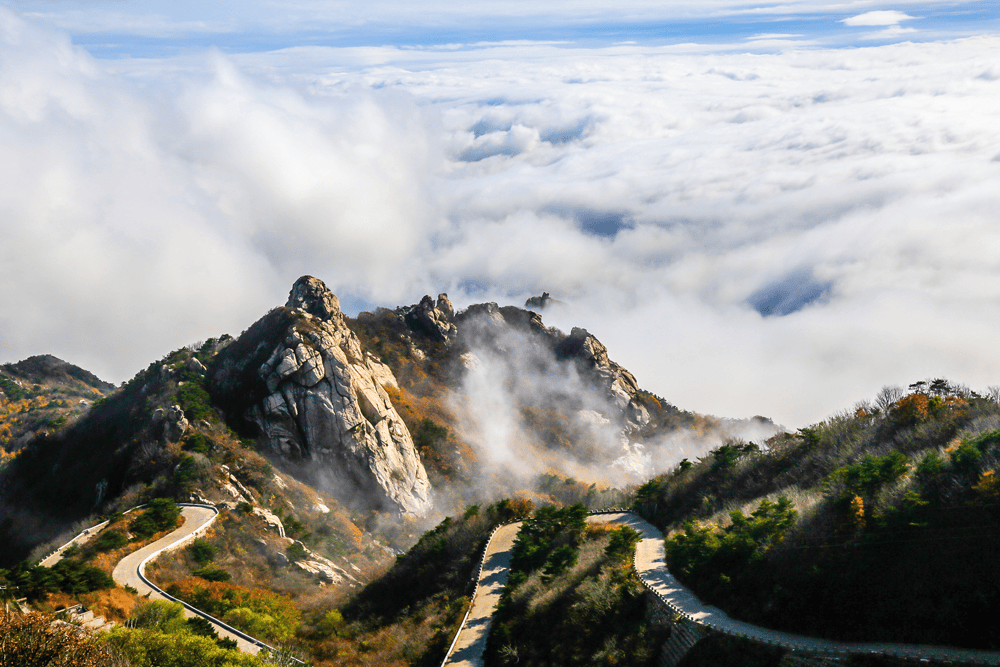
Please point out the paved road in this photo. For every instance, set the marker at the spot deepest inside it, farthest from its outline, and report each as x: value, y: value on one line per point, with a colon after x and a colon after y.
x: 127, y: 570
x: 650, y: 564
x: 81, y: 539
x: 471, y: 644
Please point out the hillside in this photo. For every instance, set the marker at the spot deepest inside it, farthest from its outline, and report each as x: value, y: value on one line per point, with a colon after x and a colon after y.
x: 880, y: 523
x: 39, y: 395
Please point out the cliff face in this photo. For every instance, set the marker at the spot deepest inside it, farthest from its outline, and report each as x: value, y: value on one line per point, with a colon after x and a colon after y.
x: 319, y: 400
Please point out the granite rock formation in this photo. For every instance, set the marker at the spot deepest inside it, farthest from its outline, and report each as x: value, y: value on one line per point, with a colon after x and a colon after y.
x: 321, y: 402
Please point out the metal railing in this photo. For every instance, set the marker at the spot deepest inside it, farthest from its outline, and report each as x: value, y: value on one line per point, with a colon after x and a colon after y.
x: 141, y: 571
x: 903, y: 651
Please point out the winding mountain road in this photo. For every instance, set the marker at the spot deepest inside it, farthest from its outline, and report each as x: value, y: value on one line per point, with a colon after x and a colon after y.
x: 130, y: 570
x: 651, y: 566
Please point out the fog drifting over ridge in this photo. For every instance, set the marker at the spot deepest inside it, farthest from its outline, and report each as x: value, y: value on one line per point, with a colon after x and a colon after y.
x: 776, y: 233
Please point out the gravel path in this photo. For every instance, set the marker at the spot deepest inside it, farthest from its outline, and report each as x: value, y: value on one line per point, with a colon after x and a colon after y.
x: 650, y: 564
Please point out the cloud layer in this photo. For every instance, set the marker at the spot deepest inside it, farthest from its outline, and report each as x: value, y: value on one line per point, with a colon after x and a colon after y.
x: 775, y: 234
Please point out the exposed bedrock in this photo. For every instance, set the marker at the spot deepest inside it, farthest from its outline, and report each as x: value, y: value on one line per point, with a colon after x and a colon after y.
x: 324, y: 406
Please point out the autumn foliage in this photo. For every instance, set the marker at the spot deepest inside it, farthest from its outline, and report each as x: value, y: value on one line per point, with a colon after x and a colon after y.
x: 258, y: 612
x: 35, y: 640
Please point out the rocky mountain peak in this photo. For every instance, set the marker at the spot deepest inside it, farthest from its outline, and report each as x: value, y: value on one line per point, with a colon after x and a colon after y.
x: 317, y: 398
x: 311, y: 295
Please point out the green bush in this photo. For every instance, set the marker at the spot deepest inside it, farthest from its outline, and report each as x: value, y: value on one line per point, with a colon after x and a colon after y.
x: 185, y: 471
x: 708, y: 558
x: 622, y: 546
x: 195, y: 401
x: 109, y: 540
x: 201, y: 627
x: 158, y: 614
x: 196, y: 442
x: 201, y: 551
x: 296, y: 552
x: 68, y: 576
x: 212, y: 574
x: 145, y: 647
x: 730, y: 453
x: 871, y: 473
x: 549, y: 540
x: 160, y: 514
x: 11, y: 390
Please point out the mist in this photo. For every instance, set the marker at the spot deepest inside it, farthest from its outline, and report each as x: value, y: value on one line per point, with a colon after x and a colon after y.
x: 526, y: 412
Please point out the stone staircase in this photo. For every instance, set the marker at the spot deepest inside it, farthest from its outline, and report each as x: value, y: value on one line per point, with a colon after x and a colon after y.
x: 85, y: 618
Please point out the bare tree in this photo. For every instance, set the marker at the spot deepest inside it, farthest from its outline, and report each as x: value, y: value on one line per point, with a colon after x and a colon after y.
x: 887, y: 397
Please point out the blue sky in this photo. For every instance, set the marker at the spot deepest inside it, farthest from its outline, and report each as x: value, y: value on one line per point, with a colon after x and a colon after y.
x: 145, y: 29
x: 760, y: 209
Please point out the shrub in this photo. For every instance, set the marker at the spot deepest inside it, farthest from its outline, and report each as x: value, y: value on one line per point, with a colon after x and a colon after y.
x: 31, y: 640
x: 728, y: 454
x: 161, y: 514
x: 195, y: 402
x: 212, y: 574
x: 201, y: 627
x: 550, y: 539
x: 109, y: 540
x: 153, y: 648
x: 703, y: 555
x: 196, y: 442
x: 296, y: 551
x: 258, y: 623
x: 158, y: 614
x: 966, y: 458
x: 622, y: 546
x: 185, y: 471
x: 201, y: 551
x: 871, y: 473
x: 275, y: 612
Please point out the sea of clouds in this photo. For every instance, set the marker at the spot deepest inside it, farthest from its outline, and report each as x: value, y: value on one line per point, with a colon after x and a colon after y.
x: 777, y: 231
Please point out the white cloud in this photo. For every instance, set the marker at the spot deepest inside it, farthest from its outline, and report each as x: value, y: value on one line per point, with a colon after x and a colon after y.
x: 878, y: 18
x: 774, y: 234
x: 890, y: 33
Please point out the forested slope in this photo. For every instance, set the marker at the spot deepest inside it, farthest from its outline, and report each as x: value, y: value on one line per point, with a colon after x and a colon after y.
x: 880, y: 523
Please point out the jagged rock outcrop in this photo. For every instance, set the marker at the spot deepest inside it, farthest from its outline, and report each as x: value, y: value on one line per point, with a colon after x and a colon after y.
x: 321, y: 401
x: 540, y: 302
x: 173, y: 423
x: 435, y: 320
x: 592, y: 357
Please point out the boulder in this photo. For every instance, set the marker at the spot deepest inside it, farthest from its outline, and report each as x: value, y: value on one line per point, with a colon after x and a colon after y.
x: 540, y: 302
x: 173, y: 423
